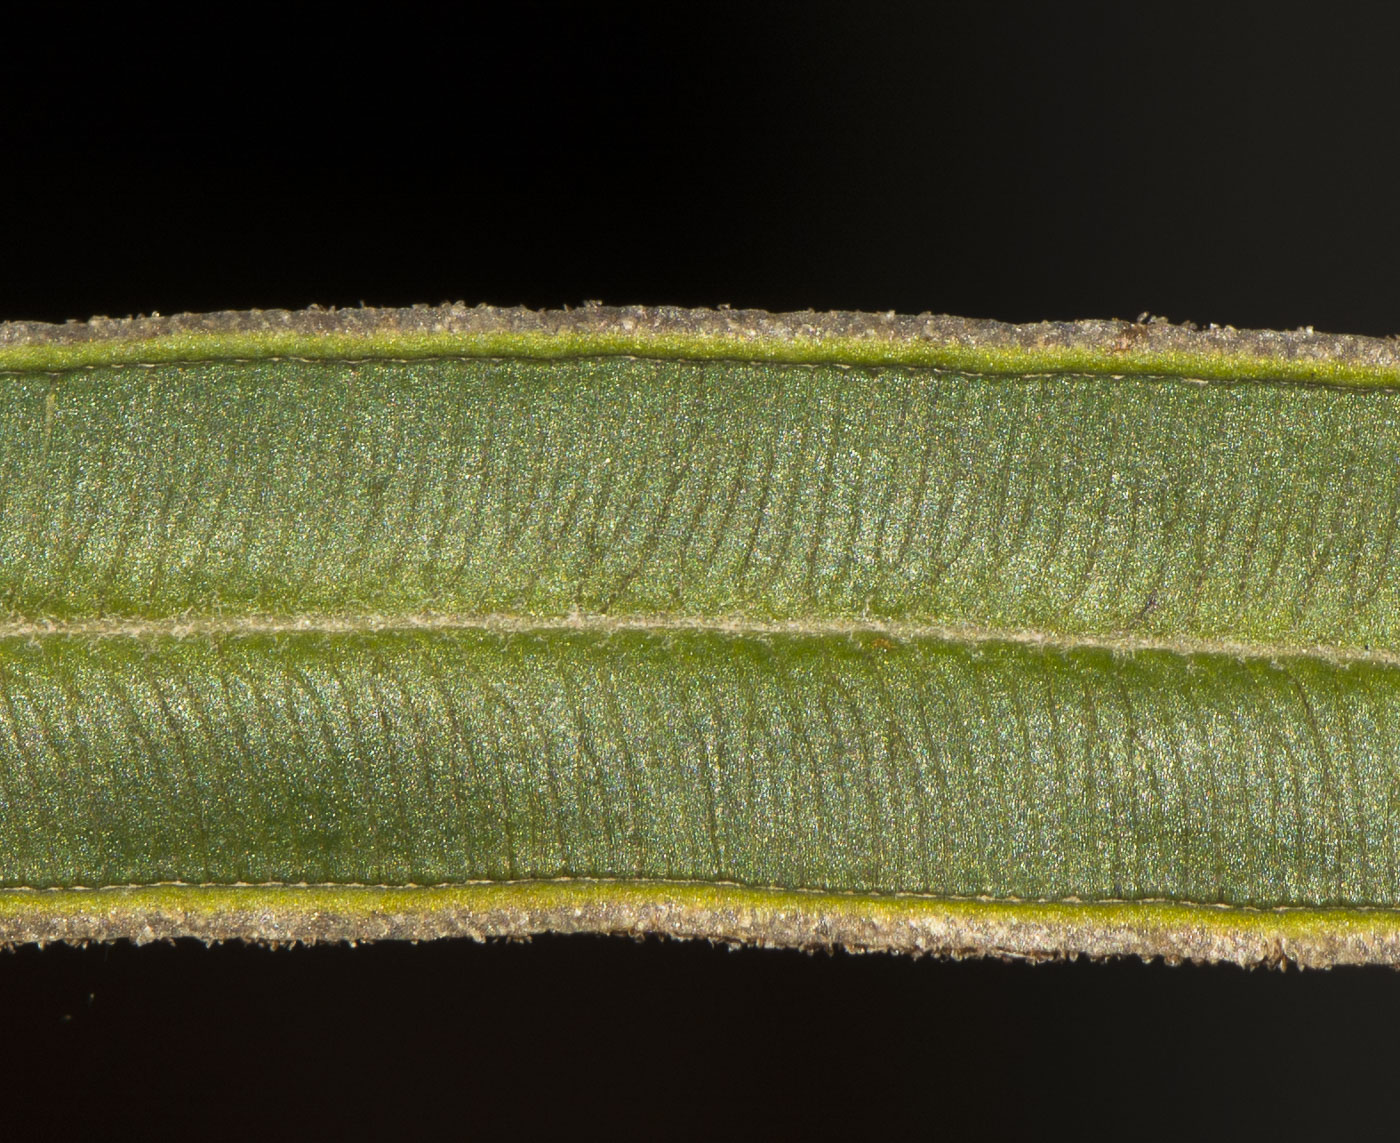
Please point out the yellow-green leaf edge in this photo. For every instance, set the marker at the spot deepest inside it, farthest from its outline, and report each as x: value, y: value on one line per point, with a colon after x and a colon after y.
x: 456, y: 330
x: 732, y: 914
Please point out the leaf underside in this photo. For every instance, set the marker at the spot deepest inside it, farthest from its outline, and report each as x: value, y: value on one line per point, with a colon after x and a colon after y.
x: 884, y: 654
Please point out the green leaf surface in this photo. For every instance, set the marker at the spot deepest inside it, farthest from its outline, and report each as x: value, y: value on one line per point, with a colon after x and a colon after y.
x: 868, y: 648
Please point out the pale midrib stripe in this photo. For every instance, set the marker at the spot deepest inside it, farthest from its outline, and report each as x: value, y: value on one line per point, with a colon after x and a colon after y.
x: 207, y: 627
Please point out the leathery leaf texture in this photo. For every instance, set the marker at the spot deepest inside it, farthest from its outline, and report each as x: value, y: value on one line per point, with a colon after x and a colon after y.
x: 889, y: 633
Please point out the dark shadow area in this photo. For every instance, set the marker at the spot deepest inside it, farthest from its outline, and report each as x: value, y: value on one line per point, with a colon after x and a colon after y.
x: 1226, y: 163
x: 1233, y: 164
x: 652, y: 1040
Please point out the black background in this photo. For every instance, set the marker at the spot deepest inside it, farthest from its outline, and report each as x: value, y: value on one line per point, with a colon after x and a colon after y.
x: 1233, y: 163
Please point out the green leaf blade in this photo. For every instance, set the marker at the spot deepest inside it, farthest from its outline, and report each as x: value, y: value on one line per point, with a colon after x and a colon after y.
x: 843, y: 763
x: 1026, y: 640
x: 1078, y: 505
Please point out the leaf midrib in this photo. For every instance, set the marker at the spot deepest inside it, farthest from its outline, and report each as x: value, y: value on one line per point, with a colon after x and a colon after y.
x: 504, y: 623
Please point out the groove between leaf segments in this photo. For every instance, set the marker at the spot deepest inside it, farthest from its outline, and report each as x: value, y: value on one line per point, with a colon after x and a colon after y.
x: 253, y: 626
x: 1120, y: 372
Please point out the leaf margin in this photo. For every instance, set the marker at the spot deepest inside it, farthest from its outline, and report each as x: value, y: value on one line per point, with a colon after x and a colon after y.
x: 1101, y: 347
x: 723, y: 914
